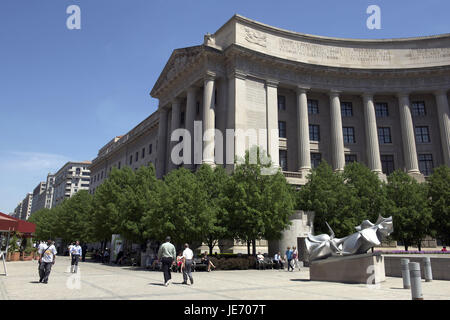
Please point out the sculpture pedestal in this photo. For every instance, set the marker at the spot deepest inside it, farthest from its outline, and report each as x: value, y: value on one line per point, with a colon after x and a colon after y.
x: 361, y: 268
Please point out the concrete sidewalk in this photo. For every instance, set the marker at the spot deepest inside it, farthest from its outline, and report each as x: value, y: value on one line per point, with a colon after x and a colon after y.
x: 97, y: 281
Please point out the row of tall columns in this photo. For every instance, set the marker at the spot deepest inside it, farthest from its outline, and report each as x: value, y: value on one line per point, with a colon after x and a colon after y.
x: 304, y: 159
x: 371, y: 130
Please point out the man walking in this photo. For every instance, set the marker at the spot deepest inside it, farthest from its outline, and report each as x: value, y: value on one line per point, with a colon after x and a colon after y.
x: 47, y: 257
x: 167, y: 255
x: 188, y: 255
x: 289, y: 258
x: 76, y: 252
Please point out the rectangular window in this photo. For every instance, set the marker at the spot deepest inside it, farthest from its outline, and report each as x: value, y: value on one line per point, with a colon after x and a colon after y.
x: 422, y: 135
x: 349, y: 134
x: 418, y: 108
x: 426, y: 164
x: 150, y: 149
x: 313, y: 106
x: 118, y: 166
x: 198, y: 108
x: 384, y: 135
x: 137, y: 157
x: 131, y: 159
x: 143, y: 153
x: 283, y: 160
x: 314, y: 132
x: 281, y: 103
x: 349, y: 158
x: 316, y: 158
x: 381, y: 110
x: 346, y: 109
x: 387, y: 164
x: 282, y: 129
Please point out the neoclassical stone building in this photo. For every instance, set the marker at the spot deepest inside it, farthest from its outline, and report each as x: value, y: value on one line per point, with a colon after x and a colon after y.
x: 384, y: 103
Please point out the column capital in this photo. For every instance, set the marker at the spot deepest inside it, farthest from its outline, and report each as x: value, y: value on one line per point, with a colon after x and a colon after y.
x: 237, y: 74
x: 334, y: 93
x: 368, y: 95
x: 272, y: 83
x: 403, y: 94
x: 210, y: 75
x: 302, y: 89
x: 440, y: 92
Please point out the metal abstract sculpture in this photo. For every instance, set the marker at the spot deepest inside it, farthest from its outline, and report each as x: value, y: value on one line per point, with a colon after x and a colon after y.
x: 367, y: 236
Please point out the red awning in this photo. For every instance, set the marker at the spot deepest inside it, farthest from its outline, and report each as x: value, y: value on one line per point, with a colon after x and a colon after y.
x: 8, y: 223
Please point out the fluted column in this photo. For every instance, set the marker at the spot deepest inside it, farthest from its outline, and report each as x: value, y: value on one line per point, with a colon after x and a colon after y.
x: 162, y: 140
x: 304, y: 153
x: 370, y: 125
x: 409, y: 142
x: 337, y: 137
x: 208, y: 119
x: 175, y: 124
x: 189, y: 120
x: 273, y: 140
x: 444, y: 123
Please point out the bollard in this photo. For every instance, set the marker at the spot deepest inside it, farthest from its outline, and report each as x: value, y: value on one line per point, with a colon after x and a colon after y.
x: 427, y: 269
x: 405, y: 273
x: 416, y: 281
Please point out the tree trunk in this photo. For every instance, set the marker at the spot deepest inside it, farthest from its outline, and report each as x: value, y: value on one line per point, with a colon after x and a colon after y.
x: 254, y: 247
x: 419, y: 245
x: 210, y: 246
x: 248, y: 247
x: 406, y: 246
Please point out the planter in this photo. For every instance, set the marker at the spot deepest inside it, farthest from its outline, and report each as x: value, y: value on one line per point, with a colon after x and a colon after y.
x: 27, y: 257
x: 13, y: 256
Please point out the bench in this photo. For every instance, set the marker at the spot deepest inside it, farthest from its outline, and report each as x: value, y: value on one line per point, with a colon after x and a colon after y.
x: 198, y: 263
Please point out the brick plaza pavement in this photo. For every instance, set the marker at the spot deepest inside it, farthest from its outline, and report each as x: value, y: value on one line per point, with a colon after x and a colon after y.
x: 99, y: 281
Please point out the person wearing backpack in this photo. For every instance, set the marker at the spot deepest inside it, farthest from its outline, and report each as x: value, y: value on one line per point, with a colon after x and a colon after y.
x: 47, y: 257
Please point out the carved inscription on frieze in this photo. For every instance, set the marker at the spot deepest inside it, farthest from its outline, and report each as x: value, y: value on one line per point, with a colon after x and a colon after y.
x: 429, y: 54
x: 311, y: 50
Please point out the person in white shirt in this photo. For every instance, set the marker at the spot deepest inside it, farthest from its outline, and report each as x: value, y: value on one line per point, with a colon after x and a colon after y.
x: 46, y: 260
x: 188, y: 255
x: 70, y: 249
x: 75, y: 252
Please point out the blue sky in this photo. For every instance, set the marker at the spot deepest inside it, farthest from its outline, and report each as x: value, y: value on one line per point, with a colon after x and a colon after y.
x: 65, y: 93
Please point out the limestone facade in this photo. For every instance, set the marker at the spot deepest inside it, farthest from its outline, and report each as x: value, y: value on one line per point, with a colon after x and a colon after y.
x: 384, y: 103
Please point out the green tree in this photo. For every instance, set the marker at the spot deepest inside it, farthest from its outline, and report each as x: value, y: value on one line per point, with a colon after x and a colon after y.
x: 213, y: 218
x: 74, y: 218
x: 409, y: 207
x: 332, y: 201
x: 108, y: 203
x: 439, y: 201
x: 45, y: 220
x: 368, y: 192
x: 180, y: 210
x: 259, y: 204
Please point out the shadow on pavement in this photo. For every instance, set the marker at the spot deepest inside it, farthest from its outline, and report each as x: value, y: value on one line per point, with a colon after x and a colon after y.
x: 300, y: 280
x: 34, y: 282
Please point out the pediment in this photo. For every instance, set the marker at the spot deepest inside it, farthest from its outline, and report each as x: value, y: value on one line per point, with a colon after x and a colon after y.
x: 180, y: 60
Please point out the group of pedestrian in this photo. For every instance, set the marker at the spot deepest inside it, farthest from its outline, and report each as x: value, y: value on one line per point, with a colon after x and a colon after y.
x: 47, y: 258
x: 290, y: 258
x: 167, y: 256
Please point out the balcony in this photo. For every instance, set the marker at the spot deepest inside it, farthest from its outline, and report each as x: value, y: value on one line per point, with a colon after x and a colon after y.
x: 296, y: 178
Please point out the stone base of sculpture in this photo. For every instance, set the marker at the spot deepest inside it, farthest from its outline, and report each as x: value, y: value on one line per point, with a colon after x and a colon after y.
x: 361, y: 268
